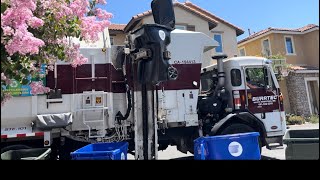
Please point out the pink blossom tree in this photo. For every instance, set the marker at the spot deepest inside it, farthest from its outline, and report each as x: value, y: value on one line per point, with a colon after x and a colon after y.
x: 35, y: 32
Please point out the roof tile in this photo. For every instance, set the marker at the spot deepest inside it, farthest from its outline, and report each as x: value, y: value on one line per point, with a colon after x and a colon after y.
x: 117, y: 27
x: 192, y: 8
x: 302, y: 29
x: 205, y: 12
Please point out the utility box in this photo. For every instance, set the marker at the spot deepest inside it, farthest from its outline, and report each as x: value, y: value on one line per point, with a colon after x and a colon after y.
x: 302, y: 144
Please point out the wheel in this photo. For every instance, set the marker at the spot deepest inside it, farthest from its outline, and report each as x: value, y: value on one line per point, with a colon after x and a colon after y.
x: 14, y: 147
x: 239, y: 128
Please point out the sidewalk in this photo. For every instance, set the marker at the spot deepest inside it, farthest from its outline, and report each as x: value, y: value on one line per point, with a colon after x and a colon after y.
x: 279, y: 152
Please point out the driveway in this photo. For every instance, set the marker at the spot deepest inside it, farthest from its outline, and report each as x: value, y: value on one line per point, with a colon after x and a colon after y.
x: 277, y: 153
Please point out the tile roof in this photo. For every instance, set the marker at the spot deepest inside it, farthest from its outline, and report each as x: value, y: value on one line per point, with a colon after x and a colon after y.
x: 301, y: 67
x: 189, y: 7
x: 205, y: 12
x: 302, y: 29
x: 117, y: 27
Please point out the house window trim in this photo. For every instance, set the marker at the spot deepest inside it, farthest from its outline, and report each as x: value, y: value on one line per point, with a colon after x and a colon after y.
x: 181, y: 25
x: 306, y: 79
x: 262, y: 47
x: 293, y: 46
x: 215, y: 33
x: 244, y: 49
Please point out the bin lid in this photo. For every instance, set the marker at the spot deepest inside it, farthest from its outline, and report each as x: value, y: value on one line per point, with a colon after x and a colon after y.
x: 238, y: 135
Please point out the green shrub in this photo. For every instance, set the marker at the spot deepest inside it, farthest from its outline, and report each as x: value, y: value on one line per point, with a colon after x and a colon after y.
x: 294, y: 119
x: 313, y: 119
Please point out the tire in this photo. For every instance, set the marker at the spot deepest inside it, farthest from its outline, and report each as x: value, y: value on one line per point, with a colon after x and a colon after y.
x: 240, y: 128
x: 14, y: 147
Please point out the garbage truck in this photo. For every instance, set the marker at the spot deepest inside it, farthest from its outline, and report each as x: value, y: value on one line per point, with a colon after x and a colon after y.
x: 152, y: 93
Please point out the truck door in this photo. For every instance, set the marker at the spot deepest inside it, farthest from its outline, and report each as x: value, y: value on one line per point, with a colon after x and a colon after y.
x: 262, y: 94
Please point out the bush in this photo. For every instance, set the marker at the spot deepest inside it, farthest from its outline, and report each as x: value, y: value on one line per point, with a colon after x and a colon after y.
x: 313, y: 119
x: 294, y: 119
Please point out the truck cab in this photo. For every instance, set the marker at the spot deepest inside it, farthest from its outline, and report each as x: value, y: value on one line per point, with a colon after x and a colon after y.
x: 253, y: 88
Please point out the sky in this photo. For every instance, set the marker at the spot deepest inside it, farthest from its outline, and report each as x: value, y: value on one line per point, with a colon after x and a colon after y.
x: 255, y: 15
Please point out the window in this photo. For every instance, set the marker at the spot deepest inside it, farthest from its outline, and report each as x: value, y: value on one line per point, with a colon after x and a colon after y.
x: 207, y: 81
x: 289, y: 44
x: 218, y: 38
x: 181, y: 27
x: 242, y: 52
x: 266, y: 50
x: 256, y: 78
x: 236, y: 77
x: 111, y: 40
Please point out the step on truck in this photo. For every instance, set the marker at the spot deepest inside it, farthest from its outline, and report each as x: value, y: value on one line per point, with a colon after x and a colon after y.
x: 152, y: 92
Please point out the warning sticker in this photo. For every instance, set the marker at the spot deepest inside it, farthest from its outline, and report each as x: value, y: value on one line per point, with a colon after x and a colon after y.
x: 98, y: 100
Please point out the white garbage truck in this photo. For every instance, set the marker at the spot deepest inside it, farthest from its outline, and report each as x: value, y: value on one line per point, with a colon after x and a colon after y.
x: 152, y: 93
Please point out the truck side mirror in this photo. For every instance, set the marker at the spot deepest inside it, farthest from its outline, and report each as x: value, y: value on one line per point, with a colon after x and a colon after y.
x: 163, y: 12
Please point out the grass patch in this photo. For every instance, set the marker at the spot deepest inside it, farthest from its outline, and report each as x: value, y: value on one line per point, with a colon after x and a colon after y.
x: 314, y: 119
x: 294, y: 119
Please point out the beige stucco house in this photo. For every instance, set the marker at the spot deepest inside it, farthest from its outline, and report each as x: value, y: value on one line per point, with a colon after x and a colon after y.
x: 188, y: 17
x: 300, y: 48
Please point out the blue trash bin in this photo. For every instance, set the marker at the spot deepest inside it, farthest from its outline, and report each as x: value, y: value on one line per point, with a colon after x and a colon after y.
x: 242, y: 146
x: 102, y: 151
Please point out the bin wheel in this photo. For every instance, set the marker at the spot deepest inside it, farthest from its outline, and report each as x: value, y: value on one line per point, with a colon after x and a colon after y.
x: 14, y: 147
x: 239, y: 128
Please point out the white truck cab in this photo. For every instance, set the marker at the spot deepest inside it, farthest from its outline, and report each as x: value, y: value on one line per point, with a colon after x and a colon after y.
x: 253, y: 87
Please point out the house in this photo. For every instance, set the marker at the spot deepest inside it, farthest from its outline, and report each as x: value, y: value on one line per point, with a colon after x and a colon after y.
x: 300, y: 49
x: 193, y: 18
x: 117, y: 35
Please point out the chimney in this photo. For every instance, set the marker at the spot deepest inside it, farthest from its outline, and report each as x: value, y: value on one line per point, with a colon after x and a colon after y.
x: 249, y: 32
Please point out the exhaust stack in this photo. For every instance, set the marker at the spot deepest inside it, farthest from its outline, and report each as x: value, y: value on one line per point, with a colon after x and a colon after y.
x: 221, y: 73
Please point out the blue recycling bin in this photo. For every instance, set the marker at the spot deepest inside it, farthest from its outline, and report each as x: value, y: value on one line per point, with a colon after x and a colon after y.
x: 102, y: 151
x: 242, y: 146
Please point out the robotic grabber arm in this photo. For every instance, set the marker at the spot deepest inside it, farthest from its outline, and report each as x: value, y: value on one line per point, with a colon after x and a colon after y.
x: 148, y: 45
x: 149, y: 55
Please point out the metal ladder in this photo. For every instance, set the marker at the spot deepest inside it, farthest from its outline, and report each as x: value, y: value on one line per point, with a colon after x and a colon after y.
x: 93, y: 101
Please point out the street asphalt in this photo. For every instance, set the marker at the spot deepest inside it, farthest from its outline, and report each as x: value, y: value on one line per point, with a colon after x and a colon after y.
x: 276, y: 153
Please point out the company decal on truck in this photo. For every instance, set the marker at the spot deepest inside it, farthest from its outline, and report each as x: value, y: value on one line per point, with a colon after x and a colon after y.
x: 185, y: 62
x: 264, y: 100
x: 17, y: 89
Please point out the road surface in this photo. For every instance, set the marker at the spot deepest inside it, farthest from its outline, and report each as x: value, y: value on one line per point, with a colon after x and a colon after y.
x: 277, y: 153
